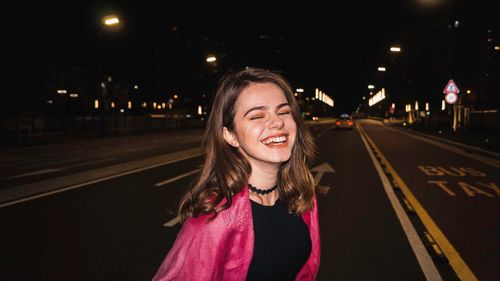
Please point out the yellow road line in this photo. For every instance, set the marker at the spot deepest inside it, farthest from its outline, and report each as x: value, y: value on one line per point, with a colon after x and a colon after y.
x: 456, y: 262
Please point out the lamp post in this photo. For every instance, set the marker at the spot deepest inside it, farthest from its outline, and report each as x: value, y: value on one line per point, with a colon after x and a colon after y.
x: 108, y: 21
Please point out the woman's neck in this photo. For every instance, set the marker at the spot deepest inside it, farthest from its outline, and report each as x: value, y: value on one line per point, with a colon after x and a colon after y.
x: 264, y: 178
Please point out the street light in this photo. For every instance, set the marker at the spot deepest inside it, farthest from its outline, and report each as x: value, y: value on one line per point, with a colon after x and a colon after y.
x: 109, y: 21
x: 395, y: 49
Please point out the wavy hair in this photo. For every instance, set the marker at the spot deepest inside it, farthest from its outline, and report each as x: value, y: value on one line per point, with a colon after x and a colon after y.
x: 226, y: 171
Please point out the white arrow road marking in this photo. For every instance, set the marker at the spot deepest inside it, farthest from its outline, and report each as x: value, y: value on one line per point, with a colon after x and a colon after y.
x: 321, y: 170
x: 177, y: 178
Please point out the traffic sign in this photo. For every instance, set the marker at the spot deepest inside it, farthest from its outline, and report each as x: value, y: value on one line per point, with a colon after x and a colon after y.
x: 451, y: 98
x: 451, y: 87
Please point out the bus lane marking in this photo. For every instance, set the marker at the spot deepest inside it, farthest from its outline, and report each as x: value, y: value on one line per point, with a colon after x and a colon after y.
x: 424, y: 260
x: 470, y: 189
x: 457, y: 263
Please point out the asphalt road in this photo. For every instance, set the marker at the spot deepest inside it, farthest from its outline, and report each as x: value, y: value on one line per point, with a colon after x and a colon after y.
x: 121, y: 227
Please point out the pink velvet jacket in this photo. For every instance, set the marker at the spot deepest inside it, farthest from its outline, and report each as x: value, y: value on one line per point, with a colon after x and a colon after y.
x: 222, y: 249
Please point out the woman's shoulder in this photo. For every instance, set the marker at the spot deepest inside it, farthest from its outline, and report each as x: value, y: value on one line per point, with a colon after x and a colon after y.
x: 233, y: 218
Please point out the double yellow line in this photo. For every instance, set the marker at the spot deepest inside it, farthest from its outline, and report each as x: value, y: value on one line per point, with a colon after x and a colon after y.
x: 455, y: 260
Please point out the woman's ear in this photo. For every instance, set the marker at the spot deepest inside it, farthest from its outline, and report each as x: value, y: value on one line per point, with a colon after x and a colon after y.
x: 230, y: 137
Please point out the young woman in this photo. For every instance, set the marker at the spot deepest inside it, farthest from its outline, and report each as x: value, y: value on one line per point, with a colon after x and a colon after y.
x: 252, y: 213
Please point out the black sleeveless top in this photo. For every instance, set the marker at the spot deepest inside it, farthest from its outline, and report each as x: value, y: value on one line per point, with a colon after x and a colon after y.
x: 282, y: 243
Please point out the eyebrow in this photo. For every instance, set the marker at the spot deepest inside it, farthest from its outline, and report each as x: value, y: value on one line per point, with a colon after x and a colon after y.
x: 264, y: 107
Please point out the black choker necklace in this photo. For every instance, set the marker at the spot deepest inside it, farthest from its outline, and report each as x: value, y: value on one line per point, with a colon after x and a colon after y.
x: 262, y: 191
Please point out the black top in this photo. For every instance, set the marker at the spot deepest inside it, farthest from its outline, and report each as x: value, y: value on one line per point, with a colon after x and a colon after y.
x: 282, y: 243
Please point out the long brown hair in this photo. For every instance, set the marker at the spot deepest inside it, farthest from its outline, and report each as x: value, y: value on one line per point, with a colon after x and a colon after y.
x: 226, y: 171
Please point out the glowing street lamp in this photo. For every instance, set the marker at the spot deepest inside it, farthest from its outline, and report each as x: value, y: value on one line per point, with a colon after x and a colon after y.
x: 107, y: 22
x: 395, y: 49
x: 111, y: 20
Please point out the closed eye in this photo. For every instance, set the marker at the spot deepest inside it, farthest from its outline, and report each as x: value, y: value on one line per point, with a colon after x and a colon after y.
x: 255, y: 117
x: 284, y: 113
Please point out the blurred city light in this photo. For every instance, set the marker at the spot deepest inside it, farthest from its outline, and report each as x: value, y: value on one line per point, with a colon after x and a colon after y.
x: 111, y: 20
x: 319, y: 95
x: 395, y: 49
x: 211, y: 59
x: 381, y: 68
x: 371, y: 87
x: 380, y: 95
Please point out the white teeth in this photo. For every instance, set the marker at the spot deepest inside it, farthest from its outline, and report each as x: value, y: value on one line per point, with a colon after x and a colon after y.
x: 274, y: 139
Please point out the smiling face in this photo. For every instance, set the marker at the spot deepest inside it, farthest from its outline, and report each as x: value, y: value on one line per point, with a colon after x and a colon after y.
x: 264, y: 128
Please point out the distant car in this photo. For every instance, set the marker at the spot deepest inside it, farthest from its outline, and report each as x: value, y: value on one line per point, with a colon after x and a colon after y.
x: 344, y: 122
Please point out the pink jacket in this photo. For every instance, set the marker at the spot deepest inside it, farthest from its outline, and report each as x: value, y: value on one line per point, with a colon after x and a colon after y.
x: 222, y: 249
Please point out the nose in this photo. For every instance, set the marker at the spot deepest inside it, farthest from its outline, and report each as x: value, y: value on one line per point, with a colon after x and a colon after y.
x: 276, y: 122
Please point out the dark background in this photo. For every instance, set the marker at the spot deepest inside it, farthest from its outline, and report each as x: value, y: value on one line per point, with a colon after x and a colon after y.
x: 162, y: 46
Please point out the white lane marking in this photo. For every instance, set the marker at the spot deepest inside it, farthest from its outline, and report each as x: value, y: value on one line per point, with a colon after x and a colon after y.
x: 43, y: 162
x: 29, y: 198
x: 172, y: 222
x: 177, y: 178
x: 428, y: 267
x: 175, y: 220
x: 91, y: 162
x: 39, y: 172
x: 51, y: 170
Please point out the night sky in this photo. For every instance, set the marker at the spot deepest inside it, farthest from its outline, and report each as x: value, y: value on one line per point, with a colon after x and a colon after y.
x: 339, y: 44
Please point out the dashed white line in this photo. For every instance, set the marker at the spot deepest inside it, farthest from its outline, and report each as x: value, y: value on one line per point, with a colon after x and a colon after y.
x: 177, y: 178
x: 39, y: 172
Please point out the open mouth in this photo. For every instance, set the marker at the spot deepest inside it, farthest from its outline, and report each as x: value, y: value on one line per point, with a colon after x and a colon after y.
x: 277, y: 140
